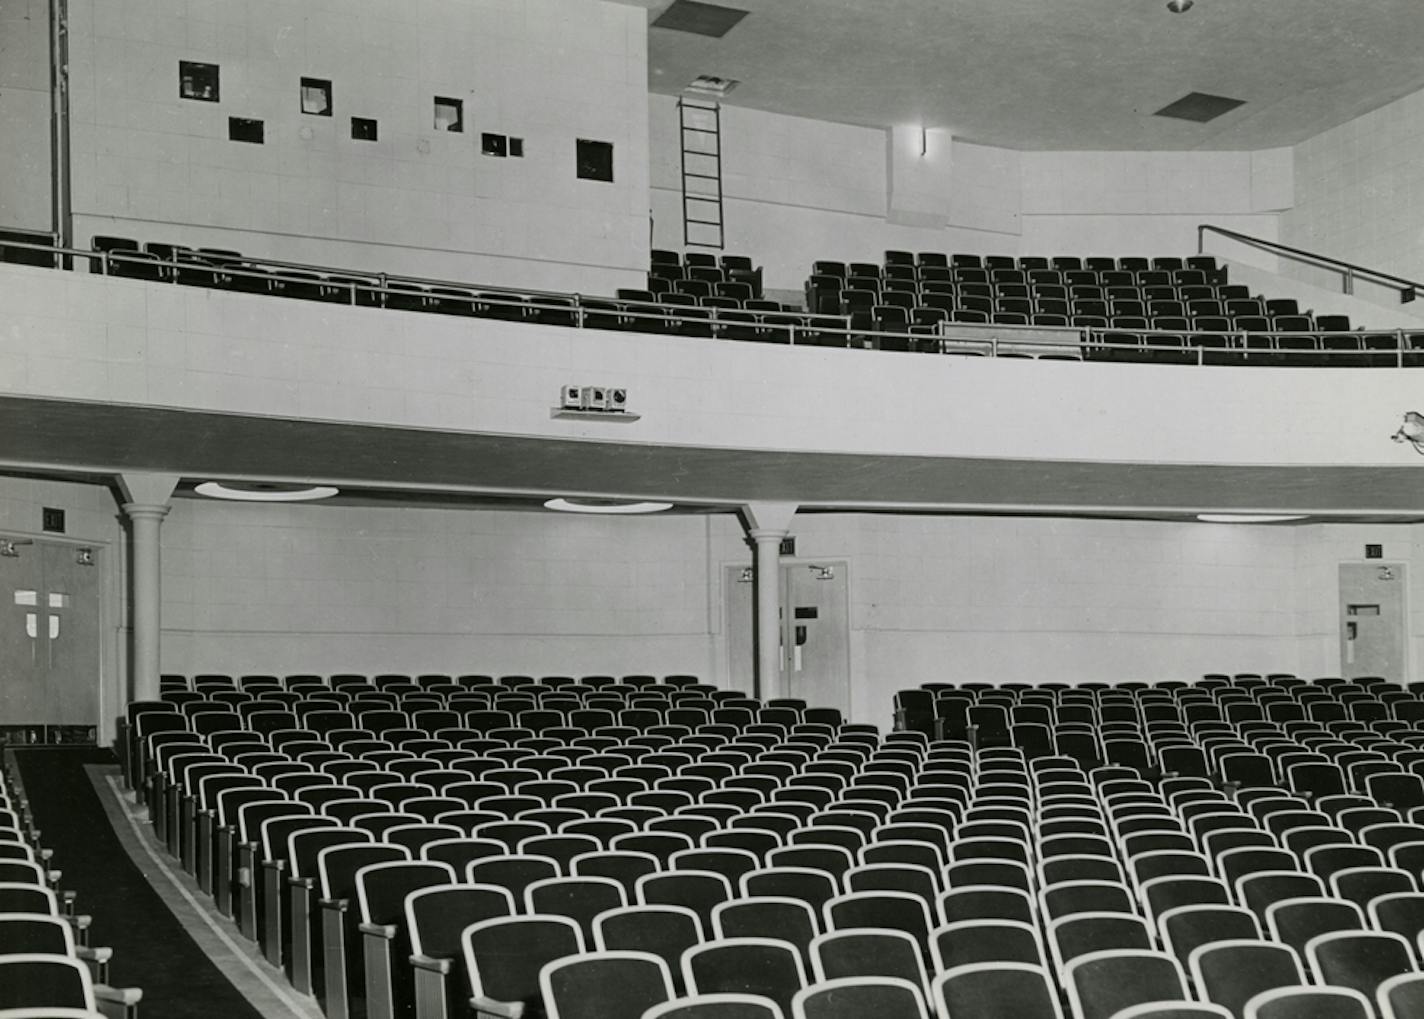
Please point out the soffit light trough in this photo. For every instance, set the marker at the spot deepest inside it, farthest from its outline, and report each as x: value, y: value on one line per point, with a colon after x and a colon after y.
x: 572, y: 505
x: 263, y: 491
x: 1249, y: 518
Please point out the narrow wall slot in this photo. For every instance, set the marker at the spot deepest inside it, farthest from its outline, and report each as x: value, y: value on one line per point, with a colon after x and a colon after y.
x: 245, y: 129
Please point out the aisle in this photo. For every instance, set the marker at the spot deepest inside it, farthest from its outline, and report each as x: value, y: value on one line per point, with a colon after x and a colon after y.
x: 151, y: 947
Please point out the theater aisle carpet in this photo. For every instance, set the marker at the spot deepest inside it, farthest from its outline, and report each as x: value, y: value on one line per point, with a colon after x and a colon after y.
x: 164, y: 936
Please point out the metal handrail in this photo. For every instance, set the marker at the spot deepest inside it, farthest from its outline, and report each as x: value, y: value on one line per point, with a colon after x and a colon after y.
x: 800, y: 329
x: 1349, y: 271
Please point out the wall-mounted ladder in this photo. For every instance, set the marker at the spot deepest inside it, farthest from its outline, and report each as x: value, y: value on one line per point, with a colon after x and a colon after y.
x: 700, y: 129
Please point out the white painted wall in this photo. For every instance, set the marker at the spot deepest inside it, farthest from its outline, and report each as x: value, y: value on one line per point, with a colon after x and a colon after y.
x: 322, y: 588
x: 25, y: 115
x: 152, y: 165
x: 319, y: 588
x: 1146, y: 203
x: 798, y: 190
x: 1357, y: 188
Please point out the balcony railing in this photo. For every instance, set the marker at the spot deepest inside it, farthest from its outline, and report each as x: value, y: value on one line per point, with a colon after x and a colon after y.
x: 1349, y: 272
x: 324, y: 284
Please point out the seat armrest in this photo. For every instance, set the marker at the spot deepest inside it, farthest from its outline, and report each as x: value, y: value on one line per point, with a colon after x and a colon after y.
x: 341, y: 905
x: 301, y: 882
x: 125, y: 996
x: 100, y: 955
x: 503, y: 1009
x: 380, y: 930
x: 433, y: 964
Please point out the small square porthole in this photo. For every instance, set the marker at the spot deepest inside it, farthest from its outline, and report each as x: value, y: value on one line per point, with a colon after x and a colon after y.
x: 595, y: 160
x: 244, y: 129
x: 363, y: 129
x: 449, y: 114
x: 197, y: 81
x: 494, y: 145
x: 516, y: 148
x: 316, y: 97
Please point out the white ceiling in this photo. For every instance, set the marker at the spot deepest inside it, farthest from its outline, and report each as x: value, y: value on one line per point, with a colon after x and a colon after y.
x: 1060, y: 74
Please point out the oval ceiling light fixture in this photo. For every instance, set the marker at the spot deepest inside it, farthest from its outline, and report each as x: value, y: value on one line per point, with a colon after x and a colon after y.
x: 264, y: 491
x: 1249, y: 518
x: 573, y: 505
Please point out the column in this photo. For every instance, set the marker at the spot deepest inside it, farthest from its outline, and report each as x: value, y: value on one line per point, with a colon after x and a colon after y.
x: 767, y: 524
x: 146, y: 504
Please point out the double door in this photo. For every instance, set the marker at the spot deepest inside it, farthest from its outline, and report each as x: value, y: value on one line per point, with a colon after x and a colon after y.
x: 49, y: 642
x: 813, y: 635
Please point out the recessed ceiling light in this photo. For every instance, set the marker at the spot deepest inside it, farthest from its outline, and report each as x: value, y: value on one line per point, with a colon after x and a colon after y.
x: 1249, y: 518
x: 605, y: 506
x: 264, y: 491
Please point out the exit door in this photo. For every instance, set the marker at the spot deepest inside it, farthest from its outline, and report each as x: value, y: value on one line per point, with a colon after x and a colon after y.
x: 49, y: 642
x: 1372, y: 620
x: 814, y: 636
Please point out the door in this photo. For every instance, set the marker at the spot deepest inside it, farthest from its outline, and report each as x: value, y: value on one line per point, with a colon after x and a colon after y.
x: 814, y: 637
x: 49, y: 642
x: 816, y: 634
x: 1372, y: 620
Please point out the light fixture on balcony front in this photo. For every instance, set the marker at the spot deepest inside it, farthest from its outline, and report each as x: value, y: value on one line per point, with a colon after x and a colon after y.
x: 623, y: 506
x: 1248, y: 518
x: 264, y: 491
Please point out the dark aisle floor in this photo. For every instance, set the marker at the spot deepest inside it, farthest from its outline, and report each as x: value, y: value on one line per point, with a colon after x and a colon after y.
x: 151, y: 948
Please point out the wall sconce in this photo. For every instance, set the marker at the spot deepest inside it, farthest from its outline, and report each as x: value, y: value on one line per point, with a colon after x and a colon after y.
x: 1386, y: 573
x: 822, y: 572
x: 1411, y: 431
x: 9, y: 548
x: 747, y: 575
x: 84, y: 556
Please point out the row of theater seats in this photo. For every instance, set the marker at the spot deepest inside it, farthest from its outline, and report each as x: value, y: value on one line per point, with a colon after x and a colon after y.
x: 989, y: 875
x: 225, y: 269
x: 1163, y: 310
x: 1063, y: 263
x: 47, y: 966
x: 893, y: 313
x: 669, y: 270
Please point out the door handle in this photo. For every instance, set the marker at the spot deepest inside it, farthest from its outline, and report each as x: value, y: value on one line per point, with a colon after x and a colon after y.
x: 32, y: 631
x: 49, y: 644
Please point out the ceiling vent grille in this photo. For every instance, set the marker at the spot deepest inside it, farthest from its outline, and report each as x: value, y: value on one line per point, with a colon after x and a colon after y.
x: 1199, y: 107
x: 711, y: 20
